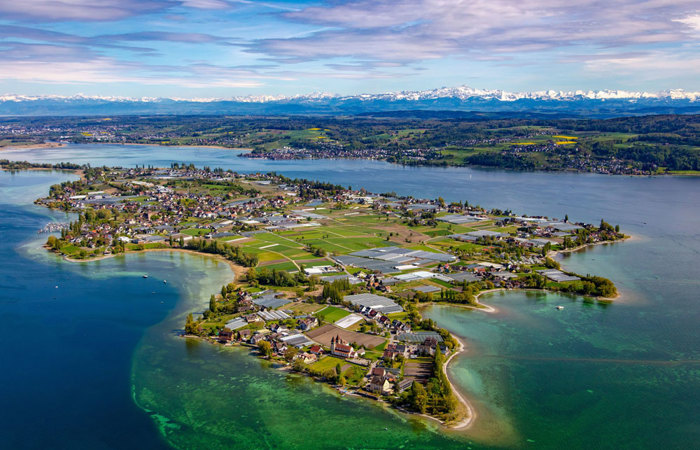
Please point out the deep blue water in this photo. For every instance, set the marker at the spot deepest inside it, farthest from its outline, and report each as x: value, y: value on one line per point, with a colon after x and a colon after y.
x: 65, y: 343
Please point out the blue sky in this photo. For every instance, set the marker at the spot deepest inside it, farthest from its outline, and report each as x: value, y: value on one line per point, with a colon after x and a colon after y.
x: 225, y: 48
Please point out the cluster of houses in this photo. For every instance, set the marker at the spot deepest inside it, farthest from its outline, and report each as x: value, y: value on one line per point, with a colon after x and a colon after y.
x: 155, y: 212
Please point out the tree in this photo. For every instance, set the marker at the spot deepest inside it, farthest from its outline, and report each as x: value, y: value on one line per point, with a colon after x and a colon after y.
x: 189, y: 324
x: 290, y: 353
x: 298, y: 365
x: 265, y: 348
x: 551, y: 264
x: 418, y: 397
x: 213, y: 307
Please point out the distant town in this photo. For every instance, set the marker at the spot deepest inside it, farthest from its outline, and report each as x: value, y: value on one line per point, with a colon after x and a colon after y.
x: 645, y: 145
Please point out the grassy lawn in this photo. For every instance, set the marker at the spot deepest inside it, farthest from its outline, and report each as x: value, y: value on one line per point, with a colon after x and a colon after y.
x: 300, y: 308
x: 442, y: 283
x: 288, y: 266
x: 423, y: 247
x: 381, y: 347
x: 354, y: 374
x: 268, y: 256
x: 397, y: 316
x: 327, y: 362
x: 316, y: 263
x: 195, y: 231
x: 332, y: 314
x: 422, y: 359
x: 69, y: 249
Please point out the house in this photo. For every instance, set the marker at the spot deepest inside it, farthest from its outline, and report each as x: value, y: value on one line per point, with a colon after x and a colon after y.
x: 428, y: 346
x: 256, y: 338
x: 307, y: 358
x: 250, y: 318
x: 277, y: 328
x: 308, y: 323
x: 225, y: 335
x: 378, y: 372
x: 379, y: 385
x: 279, y: 347
x: 244, y: 335
x: 316, y: 350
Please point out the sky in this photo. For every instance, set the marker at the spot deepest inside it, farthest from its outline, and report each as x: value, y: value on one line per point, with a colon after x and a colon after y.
x: 227, y: 48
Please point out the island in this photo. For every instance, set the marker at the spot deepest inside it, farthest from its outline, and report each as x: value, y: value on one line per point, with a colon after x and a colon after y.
x: 330, y: 281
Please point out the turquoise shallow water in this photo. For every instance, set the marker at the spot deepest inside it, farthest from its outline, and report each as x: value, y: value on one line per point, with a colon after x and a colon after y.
x: 590, y: 376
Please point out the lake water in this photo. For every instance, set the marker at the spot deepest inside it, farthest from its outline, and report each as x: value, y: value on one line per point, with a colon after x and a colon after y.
x: 94, y: 362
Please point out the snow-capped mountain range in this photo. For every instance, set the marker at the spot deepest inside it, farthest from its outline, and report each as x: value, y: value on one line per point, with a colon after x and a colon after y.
x: 460, y: 92
x: 462, y: 98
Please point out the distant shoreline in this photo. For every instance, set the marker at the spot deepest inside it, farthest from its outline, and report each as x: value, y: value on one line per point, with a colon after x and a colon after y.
x: 338, y: 158
x: 165, y: 145
x: 32, y: 146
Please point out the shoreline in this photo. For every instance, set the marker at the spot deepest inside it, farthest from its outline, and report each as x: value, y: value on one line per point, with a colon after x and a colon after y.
x: 466, y: 422
x: 164, y: 145
x: 585, y: 246
x: 32, y: 146
x: 239, y: 271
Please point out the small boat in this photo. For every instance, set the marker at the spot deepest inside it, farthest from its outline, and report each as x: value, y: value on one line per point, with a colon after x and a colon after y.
x: 559, y: 307
x: 165, y: 281
x: 145, y: 276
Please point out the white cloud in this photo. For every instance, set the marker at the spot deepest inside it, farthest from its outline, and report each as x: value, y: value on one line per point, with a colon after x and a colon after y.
x: 414, y: 30
x: 693, y: 21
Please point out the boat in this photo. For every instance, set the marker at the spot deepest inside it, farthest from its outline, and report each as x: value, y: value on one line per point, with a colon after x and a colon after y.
x: 145, y: 276
x: 165, y: 281
x: 560, y: 307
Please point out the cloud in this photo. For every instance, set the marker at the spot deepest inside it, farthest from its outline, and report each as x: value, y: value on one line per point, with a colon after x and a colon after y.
x: 652, y: 64
x: 79, y: 10
x: 96, y: 10
x: 408, y: 31
x: 692, y: 21
x: 117, y: 41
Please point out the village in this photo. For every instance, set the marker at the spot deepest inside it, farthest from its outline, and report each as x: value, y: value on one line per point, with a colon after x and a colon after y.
x: 330, y: 281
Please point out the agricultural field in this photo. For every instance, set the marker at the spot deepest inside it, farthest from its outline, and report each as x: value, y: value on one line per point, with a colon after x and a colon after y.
x: 324, y: 334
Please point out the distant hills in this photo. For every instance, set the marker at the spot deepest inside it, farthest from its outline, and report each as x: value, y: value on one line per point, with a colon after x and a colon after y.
x: 460, y: 101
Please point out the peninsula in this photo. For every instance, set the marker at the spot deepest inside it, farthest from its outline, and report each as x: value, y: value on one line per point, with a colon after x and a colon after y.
x: 330, y: 280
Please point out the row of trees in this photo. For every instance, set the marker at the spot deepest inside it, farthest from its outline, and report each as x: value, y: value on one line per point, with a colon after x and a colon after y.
x: 232, y: 253
x: 335, y: 291
x: 275, y: 277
